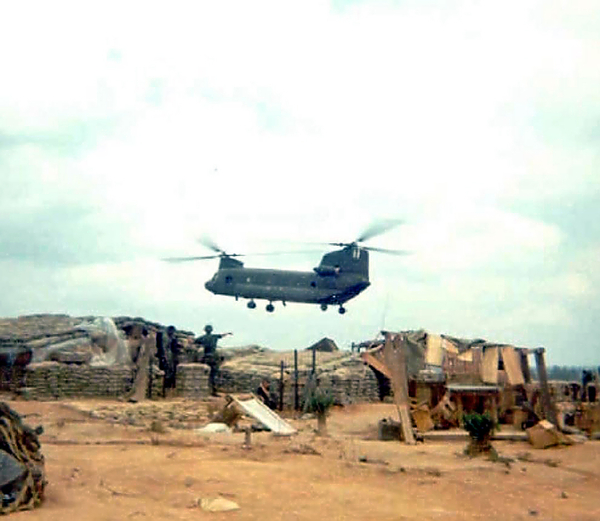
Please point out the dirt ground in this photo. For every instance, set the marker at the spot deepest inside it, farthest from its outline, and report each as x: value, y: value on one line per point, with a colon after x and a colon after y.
x: 104, y: 463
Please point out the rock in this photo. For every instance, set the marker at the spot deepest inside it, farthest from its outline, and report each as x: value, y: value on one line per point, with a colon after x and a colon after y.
x: 218, y: 504
x: 213, y: 428
x: 545, y: 434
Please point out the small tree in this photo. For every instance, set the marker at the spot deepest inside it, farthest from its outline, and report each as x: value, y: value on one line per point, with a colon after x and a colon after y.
x: 319, y: 403
x: 480, y: 428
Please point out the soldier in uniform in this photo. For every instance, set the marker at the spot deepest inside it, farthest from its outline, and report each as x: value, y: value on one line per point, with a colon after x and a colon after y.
x: 264, y: 394
x: 210, y: 357
x: 171, y: 358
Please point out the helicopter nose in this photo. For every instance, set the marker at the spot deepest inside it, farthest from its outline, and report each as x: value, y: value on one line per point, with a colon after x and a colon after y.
x: 209, y: 285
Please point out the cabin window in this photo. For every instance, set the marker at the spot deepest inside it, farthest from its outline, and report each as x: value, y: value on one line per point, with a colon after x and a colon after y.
x: 228, y: 279
x: 313, y: 284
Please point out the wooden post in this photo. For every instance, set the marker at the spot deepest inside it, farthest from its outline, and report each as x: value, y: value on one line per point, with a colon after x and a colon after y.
x: 296, y: 397
x: 525, y: 366
x: 396, y: 362
x: 494, y: 406
x: 549, y: 411
x: 460, y: 409
x: 281, y: 386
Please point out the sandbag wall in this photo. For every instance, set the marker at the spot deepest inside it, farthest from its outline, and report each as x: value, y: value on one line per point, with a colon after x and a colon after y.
x: 351, y: 386
x: 57, y: 380
x: 346, y: 386
x: 192, y: 381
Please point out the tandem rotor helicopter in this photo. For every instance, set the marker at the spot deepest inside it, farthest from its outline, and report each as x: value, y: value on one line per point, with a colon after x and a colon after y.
x: 340, y: 276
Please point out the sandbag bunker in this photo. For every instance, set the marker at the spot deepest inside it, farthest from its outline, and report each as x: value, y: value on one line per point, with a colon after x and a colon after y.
x: 22, y: 472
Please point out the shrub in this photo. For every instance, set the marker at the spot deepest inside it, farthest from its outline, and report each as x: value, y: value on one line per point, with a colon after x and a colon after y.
x: 320, y: 402
x: 479, y: 426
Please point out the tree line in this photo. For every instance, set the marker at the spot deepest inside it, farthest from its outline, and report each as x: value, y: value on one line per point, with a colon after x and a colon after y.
x: 568, y: 372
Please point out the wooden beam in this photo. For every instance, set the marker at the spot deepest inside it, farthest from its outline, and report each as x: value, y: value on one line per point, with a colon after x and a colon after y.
x: 374, y: 362
x: 525, y: 366
x: 396, y: 363
x: 549, y: 410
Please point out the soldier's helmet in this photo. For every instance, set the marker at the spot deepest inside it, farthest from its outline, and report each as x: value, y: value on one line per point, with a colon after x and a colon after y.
x: 170, y: 330
x: 208, y: 329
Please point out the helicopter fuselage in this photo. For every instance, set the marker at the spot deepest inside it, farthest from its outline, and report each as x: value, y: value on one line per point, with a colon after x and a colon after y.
x: 341, y: 276
x: 287, y: 285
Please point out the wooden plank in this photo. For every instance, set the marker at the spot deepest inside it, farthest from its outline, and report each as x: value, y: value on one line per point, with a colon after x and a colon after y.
x: 396, y: 363
x: 434, y: 355
x: 489, y: 365
x: 374, y: 361
x: 259, y: 411
x: 512, y: 366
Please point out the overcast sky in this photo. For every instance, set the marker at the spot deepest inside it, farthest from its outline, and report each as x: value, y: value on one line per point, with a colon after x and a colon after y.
x: 129, y: 129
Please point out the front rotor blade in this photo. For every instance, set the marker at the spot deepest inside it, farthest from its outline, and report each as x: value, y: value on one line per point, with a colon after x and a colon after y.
x: 385, y: 250
x: 378, y: 228
x: 185, y: 259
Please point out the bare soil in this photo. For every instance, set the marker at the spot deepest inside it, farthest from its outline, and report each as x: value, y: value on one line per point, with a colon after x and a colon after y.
x: 117, y: 461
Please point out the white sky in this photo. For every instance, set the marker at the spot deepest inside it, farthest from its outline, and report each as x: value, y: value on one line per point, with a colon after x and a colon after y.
x: 129, y: 129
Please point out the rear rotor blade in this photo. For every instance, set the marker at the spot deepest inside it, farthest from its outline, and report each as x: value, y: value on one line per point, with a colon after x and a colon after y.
x: 385, y: 250
x: 207, y: 242
x: 378, y: 228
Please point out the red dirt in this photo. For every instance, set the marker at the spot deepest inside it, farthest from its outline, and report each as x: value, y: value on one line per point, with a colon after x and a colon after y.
x: 101, y: 471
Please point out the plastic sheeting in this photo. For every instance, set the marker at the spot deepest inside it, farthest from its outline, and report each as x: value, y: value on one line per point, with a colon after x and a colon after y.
x: 105, y: 335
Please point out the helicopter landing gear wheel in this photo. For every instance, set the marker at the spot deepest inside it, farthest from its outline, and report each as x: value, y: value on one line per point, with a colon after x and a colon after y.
x: 270, y: 308
x: 323, y: 307
x: 341, y: 310
x: 251, y: 304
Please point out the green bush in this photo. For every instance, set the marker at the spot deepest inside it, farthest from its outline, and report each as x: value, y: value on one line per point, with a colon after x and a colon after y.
x: 320, y: 401
x: 479, y: 426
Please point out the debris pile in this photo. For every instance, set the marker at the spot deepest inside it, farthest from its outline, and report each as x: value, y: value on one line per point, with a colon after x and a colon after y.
x: 22, y: 472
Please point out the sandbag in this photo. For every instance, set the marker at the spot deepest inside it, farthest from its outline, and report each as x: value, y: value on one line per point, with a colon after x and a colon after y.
x: 22, y: 472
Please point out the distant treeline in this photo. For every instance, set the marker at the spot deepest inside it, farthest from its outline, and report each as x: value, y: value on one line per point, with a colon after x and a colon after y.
x: 567, y: 372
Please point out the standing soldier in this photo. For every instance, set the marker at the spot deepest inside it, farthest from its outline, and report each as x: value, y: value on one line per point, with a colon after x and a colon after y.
x: 171, y: 359
x: 209, y: 342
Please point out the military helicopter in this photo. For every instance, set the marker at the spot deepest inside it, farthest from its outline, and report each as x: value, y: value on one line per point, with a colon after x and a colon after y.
x: 340, y: 276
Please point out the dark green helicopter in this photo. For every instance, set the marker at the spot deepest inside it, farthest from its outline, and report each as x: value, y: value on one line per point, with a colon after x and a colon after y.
x: 340, y: 276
